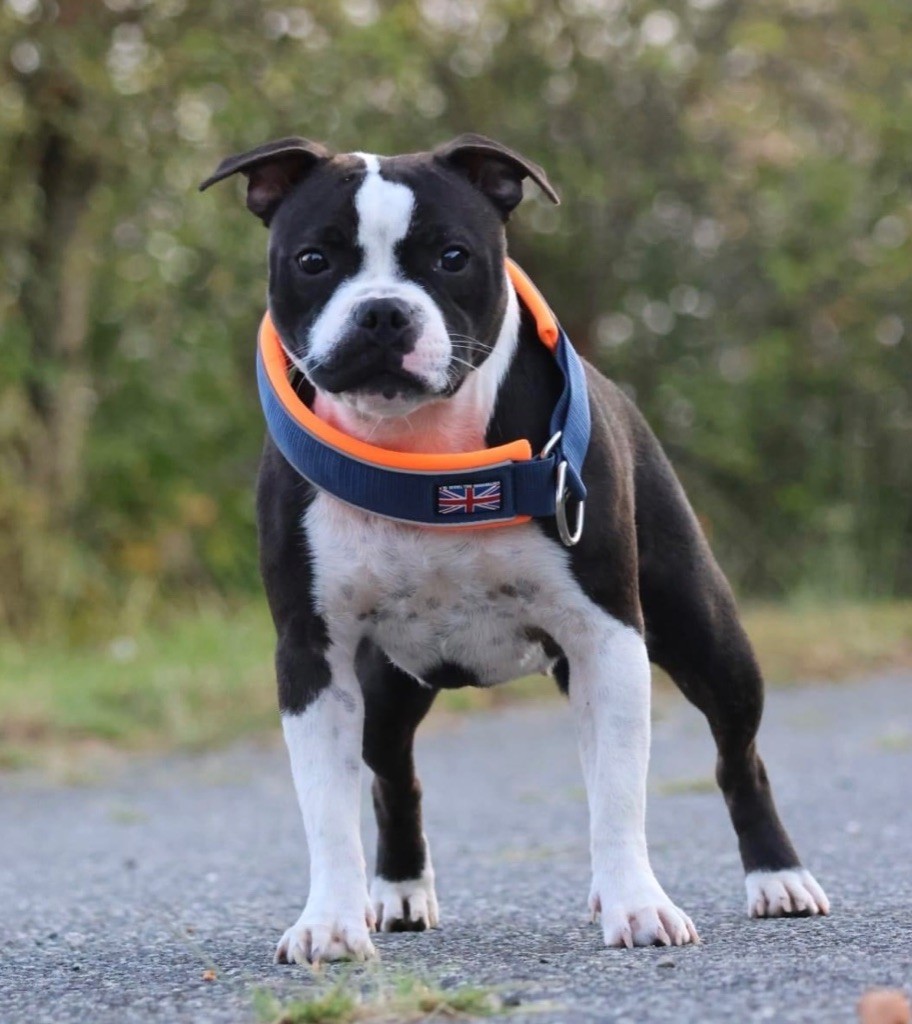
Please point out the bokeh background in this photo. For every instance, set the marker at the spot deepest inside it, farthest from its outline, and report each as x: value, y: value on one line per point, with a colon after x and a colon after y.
x: 733, y: 248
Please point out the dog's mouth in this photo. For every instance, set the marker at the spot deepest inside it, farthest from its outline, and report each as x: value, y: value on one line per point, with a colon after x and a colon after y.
x: 368, y: 375
x: 361, y: 374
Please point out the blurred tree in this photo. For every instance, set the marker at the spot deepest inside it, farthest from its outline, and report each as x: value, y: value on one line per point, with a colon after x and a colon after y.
x: 733, y: 249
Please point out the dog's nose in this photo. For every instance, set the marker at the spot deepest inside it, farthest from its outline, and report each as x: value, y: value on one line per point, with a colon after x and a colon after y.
x: 385, y: 321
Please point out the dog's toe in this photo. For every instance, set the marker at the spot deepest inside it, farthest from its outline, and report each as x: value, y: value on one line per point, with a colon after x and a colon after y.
x: 641, y: 916
x: 408, y: 906
x: 790, y: 893
x: 315, y: 938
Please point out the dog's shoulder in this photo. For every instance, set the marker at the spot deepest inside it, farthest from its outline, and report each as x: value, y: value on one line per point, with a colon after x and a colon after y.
x: 531, y: 389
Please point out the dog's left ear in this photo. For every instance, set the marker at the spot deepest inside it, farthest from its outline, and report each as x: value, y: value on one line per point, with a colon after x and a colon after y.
x: 272, y: 171
x: 494, y: 169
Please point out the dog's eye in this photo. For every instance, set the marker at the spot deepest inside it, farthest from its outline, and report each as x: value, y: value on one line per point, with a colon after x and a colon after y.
x: 453, y: 259
x: 312, y: 261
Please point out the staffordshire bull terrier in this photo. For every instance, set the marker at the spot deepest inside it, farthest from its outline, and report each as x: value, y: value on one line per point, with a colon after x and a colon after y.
x: 413, y: 350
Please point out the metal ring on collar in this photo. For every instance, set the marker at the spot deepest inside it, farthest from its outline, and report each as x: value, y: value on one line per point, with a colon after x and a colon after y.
x: 560, y: 509
x: 549, y: 447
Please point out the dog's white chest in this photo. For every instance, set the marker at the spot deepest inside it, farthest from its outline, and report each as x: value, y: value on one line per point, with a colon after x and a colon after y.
x: 426, y: 597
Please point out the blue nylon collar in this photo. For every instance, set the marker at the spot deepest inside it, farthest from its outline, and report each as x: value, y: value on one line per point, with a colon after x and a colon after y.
x: 496, y: 495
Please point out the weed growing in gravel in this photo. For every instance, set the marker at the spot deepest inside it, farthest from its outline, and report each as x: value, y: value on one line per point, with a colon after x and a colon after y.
x: 401, y: 999
x: 681, y: 787
x: 333, y: 1007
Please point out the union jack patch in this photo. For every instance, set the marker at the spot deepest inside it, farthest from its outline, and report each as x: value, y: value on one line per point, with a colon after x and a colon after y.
x: 464, y: 499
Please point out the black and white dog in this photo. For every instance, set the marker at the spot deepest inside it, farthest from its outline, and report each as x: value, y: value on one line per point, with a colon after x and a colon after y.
x: 388, y: 290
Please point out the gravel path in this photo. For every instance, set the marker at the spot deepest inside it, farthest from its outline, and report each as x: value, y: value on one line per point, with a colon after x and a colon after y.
x: 116, y: 897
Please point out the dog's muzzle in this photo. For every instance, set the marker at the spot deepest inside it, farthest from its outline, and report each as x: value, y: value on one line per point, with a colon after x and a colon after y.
x: 369, y: 356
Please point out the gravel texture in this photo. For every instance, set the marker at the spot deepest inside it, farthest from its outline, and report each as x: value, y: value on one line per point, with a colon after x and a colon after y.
x: 116, y: 897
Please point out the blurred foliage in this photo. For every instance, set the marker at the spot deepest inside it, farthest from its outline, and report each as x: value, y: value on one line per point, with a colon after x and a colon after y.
x: 734, y: 248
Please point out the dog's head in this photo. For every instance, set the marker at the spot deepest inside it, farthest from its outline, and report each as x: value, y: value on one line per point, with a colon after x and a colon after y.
x: 386, y: 274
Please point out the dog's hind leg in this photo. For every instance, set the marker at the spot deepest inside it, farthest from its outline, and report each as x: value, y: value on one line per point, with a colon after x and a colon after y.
x: 693, y: 632
x: 402, y: 891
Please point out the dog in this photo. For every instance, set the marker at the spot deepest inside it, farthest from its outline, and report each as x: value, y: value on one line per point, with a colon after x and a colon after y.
x: 404, y: 330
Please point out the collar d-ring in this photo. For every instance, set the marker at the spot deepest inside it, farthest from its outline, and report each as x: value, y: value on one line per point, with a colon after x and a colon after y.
x: 568, y: 537
x: 552, y: 442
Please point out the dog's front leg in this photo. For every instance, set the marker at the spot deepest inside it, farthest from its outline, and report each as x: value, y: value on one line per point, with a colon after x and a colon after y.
x: 609, y: 688
x: 324, y: 745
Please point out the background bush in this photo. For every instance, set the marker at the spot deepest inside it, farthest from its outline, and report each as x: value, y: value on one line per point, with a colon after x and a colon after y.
x: 733, y: 247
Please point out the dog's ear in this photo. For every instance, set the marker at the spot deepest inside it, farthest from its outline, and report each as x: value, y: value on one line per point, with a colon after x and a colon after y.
x: 272, y: 171
x: 494, y: 169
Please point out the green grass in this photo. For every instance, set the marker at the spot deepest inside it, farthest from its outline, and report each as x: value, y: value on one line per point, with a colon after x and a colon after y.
x: 208, y: 678
x: 816, y: 641
x: 205, y: 680
x: 401, y: 999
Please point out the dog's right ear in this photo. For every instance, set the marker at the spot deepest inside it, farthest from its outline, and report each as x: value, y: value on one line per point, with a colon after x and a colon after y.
x: 272, y: 171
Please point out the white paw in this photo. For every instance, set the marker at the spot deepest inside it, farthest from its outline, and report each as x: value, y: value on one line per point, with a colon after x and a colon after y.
x: 409, y: 906
x: 640, y: 915
x: 320, y: 935
x: 790, y: 893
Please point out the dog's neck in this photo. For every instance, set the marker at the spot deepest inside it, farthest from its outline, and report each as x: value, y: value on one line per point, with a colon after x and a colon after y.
x: 454, y: 424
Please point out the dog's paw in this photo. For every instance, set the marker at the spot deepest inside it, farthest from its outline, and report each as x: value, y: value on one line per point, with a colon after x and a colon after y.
x: 793, y: 892
x: 409, y: 906
x: 319, y: 936
x: 640, y: 916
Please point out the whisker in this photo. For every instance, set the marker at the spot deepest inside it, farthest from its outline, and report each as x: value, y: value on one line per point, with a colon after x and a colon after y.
x: 467, y: 337
x: 373, y: 429
x: 464, y: 342
x: 381, y: 420
x: 468, y: 350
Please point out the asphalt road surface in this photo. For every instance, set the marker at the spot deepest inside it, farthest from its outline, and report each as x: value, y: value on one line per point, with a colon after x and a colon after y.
x: 116, y: 897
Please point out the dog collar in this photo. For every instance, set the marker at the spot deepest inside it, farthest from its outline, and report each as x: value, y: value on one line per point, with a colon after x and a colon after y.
x: 499, y: 486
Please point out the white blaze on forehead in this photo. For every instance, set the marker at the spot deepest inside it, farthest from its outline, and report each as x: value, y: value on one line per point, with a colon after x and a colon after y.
x: 384, y: 213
